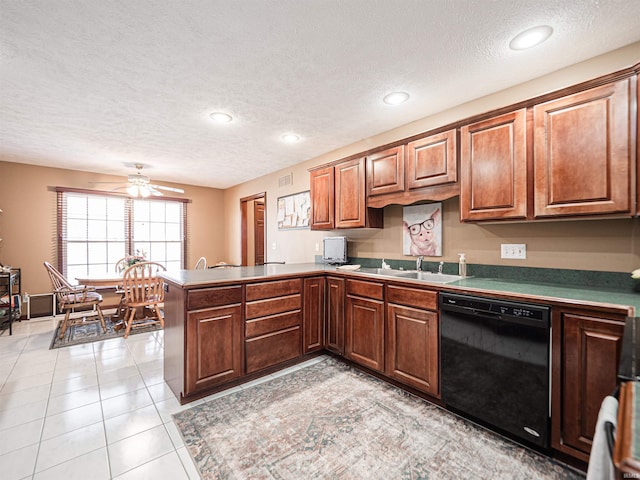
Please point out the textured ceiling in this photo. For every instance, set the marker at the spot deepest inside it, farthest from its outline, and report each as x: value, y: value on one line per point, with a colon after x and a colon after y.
x: 99, y: 85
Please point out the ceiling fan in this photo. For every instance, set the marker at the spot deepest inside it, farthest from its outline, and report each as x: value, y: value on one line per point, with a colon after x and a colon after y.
x: 140, y: 185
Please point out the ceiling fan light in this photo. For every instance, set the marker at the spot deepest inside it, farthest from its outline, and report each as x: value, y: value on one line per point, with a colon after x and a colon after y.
x: 132, y: 190
x: 144, y: 191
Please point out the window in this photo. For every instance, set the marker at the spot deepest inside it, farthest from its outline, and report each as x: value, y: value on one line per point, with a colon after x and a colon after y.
x: 97, y: 230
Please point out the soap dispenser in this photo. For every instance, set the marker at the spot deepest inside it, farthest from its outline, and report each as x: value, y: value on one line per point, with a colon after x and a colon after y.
x: 462, y: 265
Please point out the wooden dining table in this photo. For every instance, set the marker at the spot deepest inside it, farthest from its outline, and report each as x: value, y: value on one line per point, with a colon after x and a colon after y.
x: 102, y: 281
x: 110, y: 280
x: 107, y: 280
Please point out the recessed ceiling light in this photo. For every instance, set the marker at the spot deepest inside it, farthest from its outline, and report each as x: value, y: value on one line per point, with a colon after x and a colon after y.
x: 290, y: 138
x: 531, y: 37
x: 396, y: 98
x: 220, y: 117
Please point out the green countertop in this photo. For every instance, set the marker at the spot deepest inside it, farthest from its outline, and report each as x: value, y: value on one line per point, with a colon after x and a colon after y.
x: 531, y: 291
x: 584, y: 295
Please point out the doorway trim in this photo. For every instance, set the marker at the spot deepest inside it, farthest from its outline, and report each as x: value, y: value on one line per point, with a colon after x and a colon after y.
x: 244, y: 220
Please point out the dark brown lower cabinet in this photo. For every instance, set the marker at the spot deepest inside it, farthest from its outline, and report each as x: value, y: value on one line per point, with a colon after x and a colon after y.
x: 413, y: 338
x: 214, y: 349
x: 412, y: 348
x: 334, y: 329
x: 313, y: 317
x: 364, y: 339
x: 585, y: 365
x: 273, y: 323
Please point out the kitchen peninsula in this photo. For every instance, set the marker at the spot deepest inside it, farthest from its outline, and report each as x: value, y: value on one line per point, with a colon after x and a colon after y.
x: 224, y: 327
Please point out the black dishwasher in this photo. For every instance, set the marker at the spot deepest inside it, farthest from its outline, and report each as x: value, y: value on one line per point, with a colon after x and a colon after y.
x: 495, y: 364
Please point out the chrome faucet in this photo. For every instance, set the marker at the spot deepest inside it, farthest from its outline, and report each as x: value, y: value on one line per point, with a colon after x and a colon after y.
x: 440, y: 267
x: 419, y: 263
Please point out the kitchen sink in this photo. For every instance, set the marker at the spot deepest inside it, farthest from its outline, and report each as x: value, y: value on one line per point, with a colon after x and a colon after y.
x: 389, y: 272
x: 431, y: 277
x: 414, y: 274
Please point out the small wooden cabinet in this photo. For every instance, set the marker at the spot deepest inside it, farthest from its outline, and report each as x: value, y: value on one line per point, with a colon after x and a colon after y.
x: 423, y: 169
x: 338, y: 198
x: 273, y: 314
x: 322, y: 199
x: 582, y: 153
x: 213, y: 337
x: 413, y: 338
x: 364, y: 339
x: 215, y: 356
x: 313, y: 316
x: 585, y: 362
x: 334, y: 330
x: 432, y: 161
x: 385, y: 171
x: 493, y: 162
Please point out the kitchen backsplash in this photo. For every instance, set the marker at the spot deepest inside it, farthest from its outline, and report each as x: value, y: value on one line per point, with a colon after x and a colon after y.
x: 619, y: 281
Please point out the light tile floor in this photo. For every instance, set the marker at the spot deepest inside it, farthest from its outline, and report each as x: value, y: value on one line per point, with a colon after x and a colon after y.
x: 100, y: 410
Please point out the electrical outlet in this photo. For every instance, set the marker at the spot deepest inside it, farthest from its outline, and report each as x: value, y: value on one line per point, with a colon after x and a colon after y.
x: 273, y: 246
x: 513, y: 250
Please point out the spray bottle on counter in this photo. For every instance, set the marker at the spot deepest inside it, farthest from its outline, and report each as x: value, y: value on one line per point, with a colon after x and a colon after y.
x: 462, y: 265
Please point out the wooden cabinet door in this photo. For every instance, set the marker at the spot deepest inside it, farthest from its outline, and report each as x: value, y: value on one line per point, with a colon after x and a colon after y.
x: 365, y: 332
x: 493, y: 163
x: 322, y: 199
x: 590, y: 353
x: 350, y: 194
x: 214, y: 347
x: 582, y: 155
x: 385, y: 171
x: 313, y: 316
x: 334, y: 331
x: 412, y: 348
x: 432, y: 160
x: 638, y: 145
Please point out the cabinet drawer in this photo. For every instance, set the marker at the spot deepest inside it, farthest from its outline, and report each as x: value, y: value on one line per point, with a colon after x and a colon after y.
x: 213, y: 297
x: 365, y: 289
x: 412, y: 297
x: 271, y: 306
x: 273, y: 348
x: 272, y: 323
x: 259, y: 291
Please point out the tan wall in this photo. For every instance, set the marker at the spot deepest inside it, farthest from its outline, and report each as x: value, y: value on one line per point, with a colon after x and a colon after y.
x: 28, y: 224
x: 607, y: 245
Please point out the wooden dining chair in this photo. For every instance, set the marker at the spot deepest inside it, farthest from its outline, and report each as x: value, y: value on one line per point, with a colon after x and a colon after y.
x: 143, y: 294
x: 224, y: 265
x: 121, y: 266
x: 72, y: 297
x: 201, y: 264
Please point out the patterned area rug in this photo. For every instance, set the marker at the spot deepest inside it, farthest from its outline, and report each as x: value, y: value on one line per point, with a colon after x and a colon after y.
x: 331, y: 421
x: 91, y: 331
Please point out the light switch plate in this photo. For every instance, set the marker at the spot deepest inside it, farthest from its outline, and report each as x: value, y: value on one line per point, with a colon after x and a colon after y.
x: 513, y: 250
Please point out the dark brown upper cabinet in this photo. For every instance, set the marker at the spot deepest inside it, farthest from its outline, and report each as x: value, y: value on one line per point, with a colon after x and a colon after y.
x: 582, y: 153
x: 493, y: 162
x: 432, y: 161
x: 422, y: 169
x: 338, y: 197
x: 385, y: 171
x: 322, y: 199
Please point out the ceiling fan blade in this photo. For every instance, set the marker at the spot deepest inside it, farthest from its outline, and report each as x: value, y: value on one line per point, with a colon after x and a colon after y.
x: 168, y: 189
